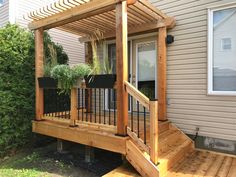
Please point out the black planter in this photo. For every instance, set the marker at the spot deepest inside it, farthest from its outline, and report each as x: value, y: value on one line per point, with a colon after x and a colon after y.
x: 100, y: 81
x: 47, y: 82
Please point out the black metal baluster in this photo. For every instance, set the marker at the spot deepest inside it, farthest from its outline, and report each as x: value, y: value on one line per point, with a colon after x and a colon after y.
x: 100, y: 105
x: 95, y: 105
x: 104, y: 112
x: 86, y: 104
x: 144, y: 115
x: 114, y: 96
x: 132, y: 114
x: 90, y: 97
x: 78, y: 103
x: 138, y: 118
x: 109, y: 106
x: 82, y: 104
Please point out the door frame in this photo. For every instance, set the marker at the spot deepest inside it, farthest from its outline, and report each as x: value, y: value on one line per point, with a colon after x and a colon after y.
x: 150, y: 37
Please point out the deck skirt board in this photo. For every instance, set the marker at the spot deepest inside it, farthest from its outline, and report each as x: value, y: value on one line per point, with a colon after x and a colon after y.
x: 93, y: 137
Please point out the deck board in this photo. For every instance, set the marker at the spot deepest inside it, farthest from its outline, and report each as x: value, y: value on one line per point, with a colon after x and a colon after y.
x: 205, y: 164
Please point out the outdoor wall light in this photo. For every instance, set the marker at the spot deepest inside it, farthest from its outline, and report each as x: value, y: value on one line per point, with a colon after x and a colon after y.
x: 170, y: 39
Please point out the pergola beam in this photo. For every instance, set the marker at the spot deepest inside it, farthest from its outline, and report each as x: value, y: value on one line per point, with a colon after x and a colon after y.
x: 168, y: 23
x: 77, y: 13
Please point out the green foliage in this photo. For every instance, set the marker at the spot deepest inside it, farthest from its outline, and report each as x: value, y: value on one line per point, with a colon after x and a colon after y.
x: 67, y: 77
x: 17, y: 84
x: 107, y: 66
x: 81, y: 70
x: 50, y: 55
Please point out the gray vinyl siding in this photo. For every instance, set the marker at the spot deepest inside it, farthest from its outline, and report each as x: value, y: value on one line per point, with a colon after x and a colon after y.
x: 189, y: 106
x: 70, y: 42
x: 4, y: 13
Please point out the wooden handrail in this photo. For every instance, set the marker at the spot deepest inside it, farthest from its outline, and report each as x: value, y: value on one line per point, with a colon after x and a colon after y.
x: 139, y: 96
x: 152, y: 106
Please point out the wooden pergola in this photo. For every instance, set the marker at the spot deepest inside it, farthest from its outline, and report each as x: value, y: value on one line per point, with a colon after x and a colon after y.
x: 115, y: 19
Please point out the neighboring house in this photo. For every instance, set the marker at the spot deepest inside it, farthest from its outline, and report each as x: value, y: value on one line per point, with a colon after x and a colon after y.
x: 13, y: 11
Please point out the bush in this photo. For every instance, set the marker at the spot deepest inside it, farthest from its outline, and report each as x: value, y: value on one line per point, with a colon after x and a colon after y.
x: 17, y: 83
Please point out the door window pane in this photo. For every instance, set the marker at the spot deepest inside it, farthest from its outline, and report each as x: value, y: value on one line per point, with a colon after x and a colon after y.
x: 146, y: 58
x: 224, y: 50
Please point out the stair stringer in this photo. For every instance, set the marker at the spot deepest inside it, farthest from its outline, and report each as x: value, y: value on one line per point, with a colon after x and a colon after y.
x: 174, y: 127
x: 140, y: 160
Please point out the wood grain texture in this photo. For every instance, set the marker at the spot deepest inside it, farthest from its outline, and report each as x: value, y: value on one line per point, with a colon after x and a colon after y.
x: 161, y: 75
x: 39, y: 57
x: 121, y: 67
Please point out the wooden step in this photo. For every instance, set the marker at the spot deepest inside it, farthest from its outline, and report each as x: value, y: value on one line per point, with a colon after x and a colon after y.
x: 125, y: 170
x: 169, y: 139
x: 177, y: 152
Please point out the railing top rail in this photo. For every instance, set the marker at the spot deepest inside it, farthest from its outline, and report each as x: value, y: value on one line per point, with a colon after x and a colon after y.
x: 139, y: 96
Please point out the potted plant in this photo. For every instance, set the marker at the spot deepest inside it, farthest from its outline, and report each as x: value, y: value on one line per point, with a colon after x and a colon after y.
x: 99, y: 79
x: 69, y: 77
x: 101, y: 75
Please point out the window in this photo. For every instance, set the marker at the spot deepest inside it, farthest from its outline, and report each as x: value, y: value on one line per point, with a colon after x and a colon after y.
x: 1, y: 2
x: 222, y: 51
x: 226, y: 44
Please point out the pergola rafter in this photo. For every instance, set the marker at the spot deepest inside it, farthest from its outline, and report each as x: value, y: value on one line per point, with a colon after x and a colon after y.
x: 82, y: 16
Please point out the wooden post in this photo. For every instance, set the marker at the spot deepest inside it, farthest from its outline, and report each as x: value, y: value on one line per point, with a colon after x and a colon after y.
x: 74, y: 107
x: 154, y: 131
x: 88, y: 60
x: 161, y: 62
x: 38, y: 73
x: 121, y: 67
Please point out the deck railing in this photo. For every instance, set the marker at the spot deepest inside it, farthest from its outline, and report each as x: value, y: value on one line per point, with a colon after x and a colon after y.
x: 56, y: 104
x: 90, y: 105
x: 97, y: 105
x: 143, y: 121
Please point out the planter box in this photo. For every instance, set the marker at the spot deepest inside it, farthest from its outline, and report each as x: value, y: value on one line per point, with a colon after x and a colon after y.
x: 47, y: 82
x: 100, y: 81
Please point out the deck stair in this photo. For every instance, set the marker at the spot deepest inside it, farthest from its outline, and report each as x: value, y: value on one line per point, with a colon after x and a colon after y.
x: 174, y: 147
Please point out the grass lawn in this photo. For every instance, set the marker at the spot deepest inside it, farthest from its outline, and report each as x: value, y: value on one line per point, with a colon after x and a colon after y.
x: 46, y: 162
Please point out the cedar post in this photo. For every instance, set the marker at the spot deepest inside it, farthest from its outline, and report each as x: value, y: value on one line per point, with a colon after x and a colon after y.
x: 121, y: 68
x: 161, y: 62
x: 154, y: 131
x: 74, y: 107
x: 88, y: 60
x: 38, y: 73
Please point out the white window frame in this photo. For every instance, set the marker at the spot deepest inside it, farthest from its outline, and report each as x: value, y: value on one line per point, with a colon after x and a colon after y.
x: 210, y: 50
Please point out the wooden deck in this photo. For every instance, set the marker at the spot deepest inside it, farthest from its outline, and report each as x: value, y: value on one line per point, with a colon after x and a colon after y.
x: 177, y: 156
x: 198, y: 164
x: 203, y: 163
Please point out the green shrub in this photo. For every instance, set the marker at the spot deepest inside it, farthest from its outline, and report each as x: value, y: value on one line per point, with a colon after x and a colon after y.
x: 17, y: 84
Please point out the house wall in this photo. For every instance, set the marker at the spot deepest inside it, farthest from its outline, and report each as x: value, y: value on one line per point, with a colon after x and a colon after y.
x: 19, y: 8
x: 4, y: 15
x: 189, y: 106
